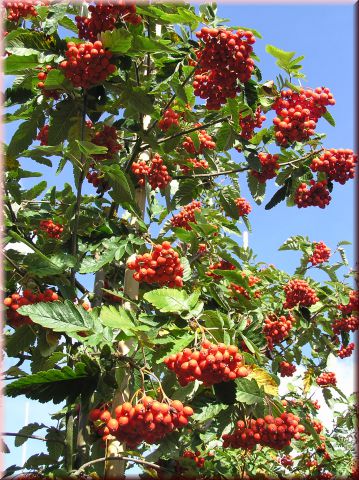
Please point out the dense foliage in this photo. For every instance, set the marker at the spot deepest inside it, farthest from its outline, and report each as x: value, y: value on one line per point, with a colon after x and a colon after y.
x: 179, y: 348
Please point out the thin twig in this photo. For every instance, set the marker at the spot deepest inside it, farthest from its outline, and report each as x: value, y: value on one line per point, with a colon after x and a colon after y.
x: 122, y: 458
x: 34, y: 437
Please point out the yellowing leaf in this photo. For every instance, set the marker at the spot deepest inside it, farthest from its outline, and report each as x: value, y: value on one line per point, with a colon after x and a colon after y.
x: 264, y: 379
x: 308, y: 380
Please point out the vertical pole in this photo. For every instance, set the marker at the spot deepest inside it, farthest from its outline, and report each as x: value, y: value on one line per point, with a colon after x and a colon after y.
x: 24, y: 447
x: 245, y: 239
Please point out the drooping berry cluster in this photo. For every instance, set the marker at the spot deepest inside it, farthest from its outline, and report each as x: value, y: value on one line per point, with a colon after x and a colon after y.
x: 98, y: 181
x: 286, y: 461
x: 55, y: 94
x: 298, y: 114
x: 317, y: 425
x: 43, y: 135
x: 205, y: 142
x: 348, y: 324
x: 156, y: 172
x: 195, y: 456
x: 249, y: 123
x: 106, y: 137
x: 286, y: 369
x: 186, y: 215
x: 53, y: 230
x: 224, y: 62
x: 161, y: 266
x: 211, y: 364
x: 326, y: 378
x: 345, y: 352
x: 169, y: 118
x: 222, y: 265
x: 269, y: 166
x: 352, y: 306
x: 276, y: 329
x: 339, y: 165
x: 320, y: 254
x: 146, y: 421
x: 194, y: 163
x: 298, y: 292
x: 317, y: 196
x: 15, y: 301
x: 243, y: 206
x: 87, y: 64
x: 272, y: 432
x: 17, y: 10
x: 104, y: 16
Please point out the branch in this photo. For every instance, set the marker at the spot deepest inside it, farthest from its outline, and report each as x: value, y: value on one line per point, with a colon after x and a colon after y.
x: 34, y: 437
x: 122, y: 458
x: 74, y: 245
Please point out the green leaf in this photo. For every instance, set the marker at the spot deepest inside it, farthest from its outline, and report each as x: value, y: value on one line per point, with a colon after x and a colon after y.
x: 20, y: 340
x: 61, y: 120
x: 209, y: 412
x: 168, y: 300
x: 257, y: 189
x: 117, y: 41
x: 19, y: 63
x: 55, y: 385
x: 297, y: 242
x: 145, y: 44
x: 328, y: 117
x: 35, y: 191
x: 284, y: 58
x: 29, y: 429
x: 278, y: 197
x: 54, y: 79
x: 178, y: 345
x: 25, y: 134
x: 225, y: 137
x: 59, y: 316
x: 248, y: 391
x: 89, y: 148
x: 117, y: 318
x: 123, y: 190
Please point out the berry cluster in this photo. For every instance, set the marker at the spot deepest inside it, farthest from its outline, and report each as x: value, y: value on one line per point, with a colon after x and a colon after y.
x: 249, y: 123
x: 107, y: 137
x: 155, y: 172
x: 15, y: 301
x: 345, y: 352
x: 326, y: 378
x: 352, y: 306
x: 146, y: 421
x: 317, y: 196
x: 162, y: 266
x: 269, y: 166
x: 317, y: 425
x: 43, y: 135
x: 348, y: 324
x: 315, y: 404
x: 277, y: 329
x: 320, y: 254
x: 186, y: 215
x: 286, y: 369
x: 224, y: 62
x: 55, y: 94
x: 298, y: 292
x: 298, y: 114
x: 17, y: 10
x: 339, y: 165
x: 272, y: 432
x: 222, y: 265
x: 87, y: 64
x: 194, y: 163
x: 98, y: 181
x: 53, y: 230
x: 211, y: 364
x: 195, y: 456
x: 202, y: 248
x: 104, y: 16
x: 170, y: 117
x: 205, y: 142
x: 243, y: 206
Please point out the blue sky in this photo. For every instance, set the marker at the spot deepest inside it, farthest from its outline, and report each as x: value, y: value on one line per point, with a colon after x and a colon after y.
x: 324, y: 34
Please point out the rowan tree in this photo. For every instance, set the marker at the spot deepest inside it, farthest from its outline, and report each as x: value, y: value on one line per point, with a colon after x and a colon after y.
x: 173, y: 358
